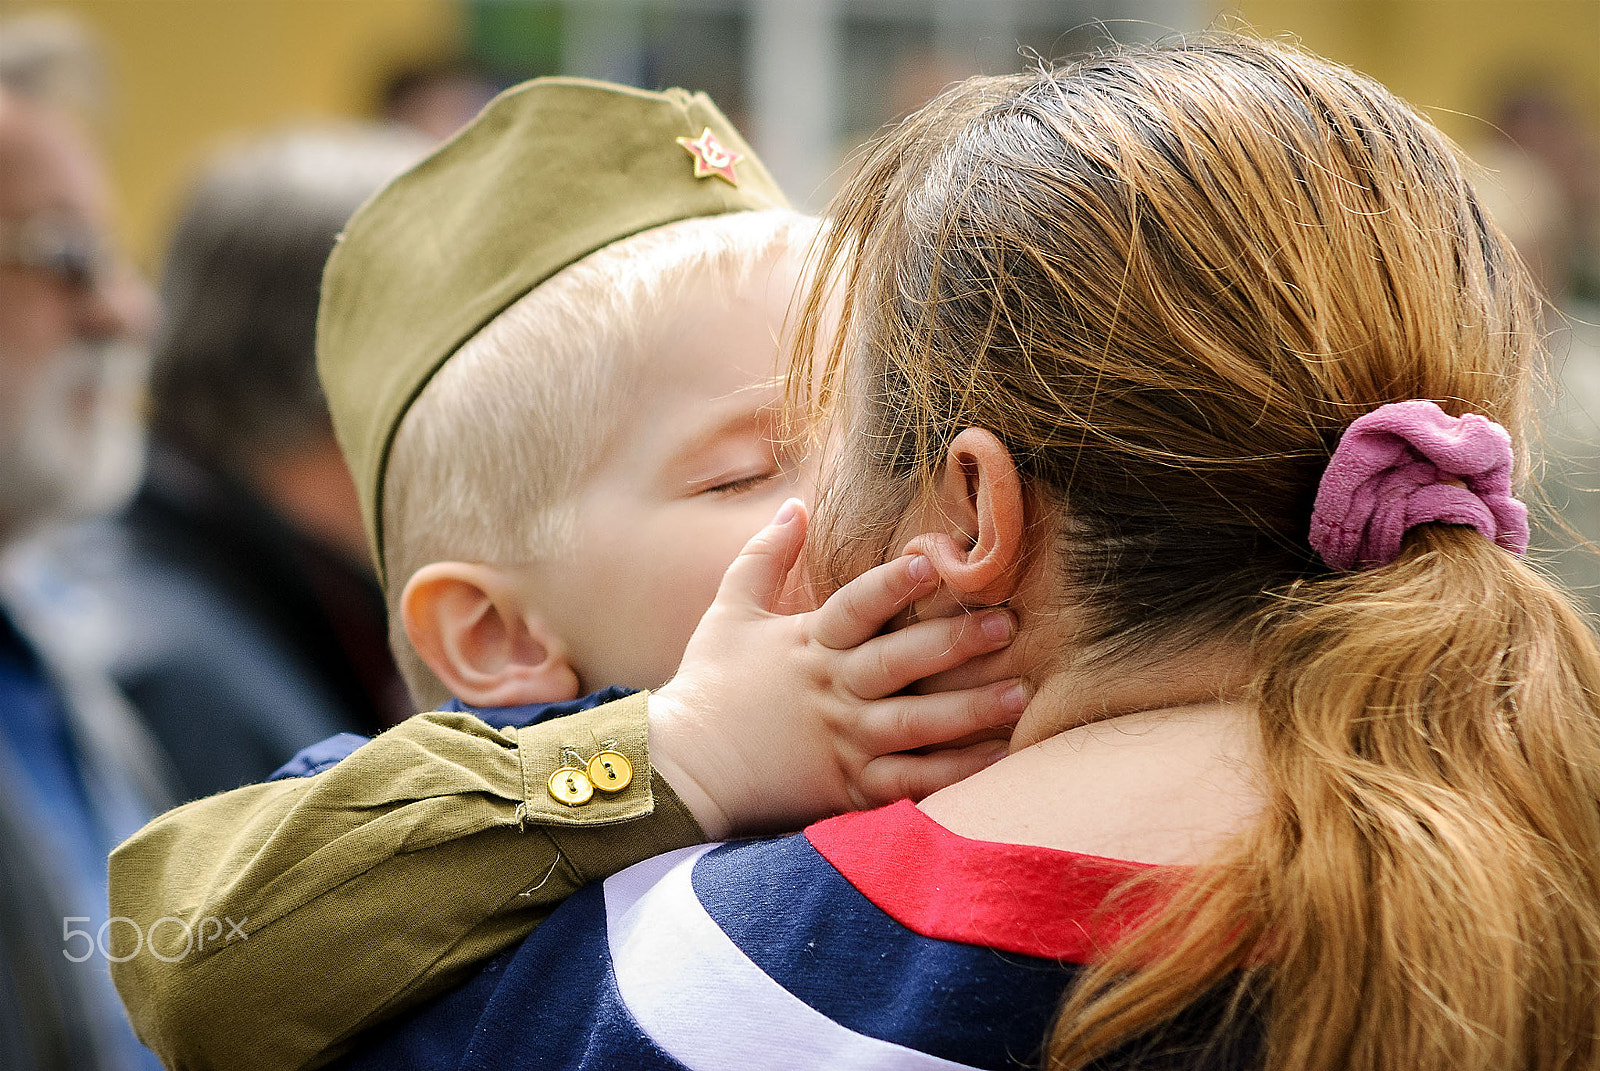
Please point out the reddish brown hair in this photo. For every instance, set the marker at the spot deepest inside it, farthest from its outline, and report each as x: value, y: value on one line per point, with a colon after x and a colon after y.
x: 1168, y: 278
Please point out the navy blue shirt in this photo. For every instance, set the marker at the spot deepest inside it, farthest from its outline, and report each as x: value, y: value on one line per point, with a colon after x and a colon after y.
x: 35, y: 732
x: 43, y: 777
x: 873, y: 940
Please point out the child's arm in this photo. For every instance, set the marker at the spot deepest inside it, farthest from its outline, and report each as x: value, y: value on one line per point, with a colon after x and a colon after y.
x: 303, y: 911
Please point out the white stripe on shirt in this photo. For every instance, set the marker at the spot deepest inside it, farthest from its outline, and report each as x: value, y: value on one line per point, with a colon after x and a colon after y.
x: 700, y: 998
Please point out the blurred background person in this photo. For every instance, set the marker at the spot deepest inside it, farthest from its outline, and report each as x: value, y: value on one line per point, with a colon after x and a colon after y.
x: 1541, y: 183
x: 1541, y: 120
x: 233, y: 597
x: 437, y: 97
x: 77, y: 770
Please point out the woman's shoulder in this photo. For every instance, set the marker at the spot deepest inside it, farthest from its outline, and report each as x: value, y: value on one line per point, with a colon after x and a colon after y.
x: 799, y: 938
x: 871, y: 939
x: 1020, y: 898
x: 708, y: 956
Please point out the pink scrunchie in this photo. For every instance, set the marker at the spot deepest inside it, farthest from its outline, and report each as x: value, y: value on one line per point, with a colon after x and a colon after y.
x: 1392, y: 471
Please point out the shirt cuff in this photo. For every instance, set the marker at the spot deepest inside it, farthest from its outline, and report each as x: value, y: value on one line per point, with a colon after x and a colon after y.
x: 556, y: 758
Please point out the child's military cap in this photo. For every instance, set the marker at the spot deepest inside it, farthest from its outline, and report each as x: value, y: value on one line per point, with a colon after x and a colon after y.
x: 549, y: 172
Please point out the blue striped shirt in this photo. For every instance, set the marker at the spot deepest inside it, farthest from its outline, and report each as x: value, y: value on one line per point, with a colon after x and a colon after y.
x: 873, y: 940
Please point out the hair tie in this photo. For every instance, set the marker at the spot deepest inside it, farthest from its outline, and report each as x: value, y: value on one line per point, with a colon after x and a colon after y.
x: 1411, y: 463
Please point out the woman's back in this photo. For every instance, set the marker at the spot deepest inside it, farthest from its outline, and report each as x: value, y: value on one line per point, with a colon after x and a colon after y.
x: 873, y: 940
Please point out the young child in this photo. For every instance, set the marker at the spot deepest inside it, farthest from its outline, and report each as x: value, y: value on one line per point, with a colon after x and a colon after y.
x: 550, y: 353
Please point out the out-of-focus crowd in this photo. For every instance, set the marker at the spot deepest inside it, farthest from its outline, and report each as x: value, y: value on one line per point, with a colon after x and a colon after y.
x: 187, y: 599
x: 185, y: 595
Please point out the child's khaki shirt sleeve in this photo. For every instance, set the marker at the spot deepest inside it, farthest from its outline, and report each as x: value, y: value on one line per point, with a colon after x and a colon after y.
x: 281, y: 919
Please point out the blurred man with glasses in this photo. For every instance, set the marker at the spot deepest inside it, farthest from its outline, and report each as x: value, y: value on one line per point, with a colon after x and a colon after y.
x: 69, y: 318
x: 77, y: 771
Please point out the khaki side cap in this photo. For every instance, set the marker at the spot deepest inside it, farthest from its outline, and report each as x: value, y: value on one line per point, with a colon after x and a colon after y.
x: 549, y: 172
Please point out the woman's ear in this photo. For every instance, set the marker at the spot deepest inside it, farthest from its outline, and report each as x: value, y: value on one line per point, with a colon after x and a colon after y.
x: 977, y: 521
x: 470, y: 624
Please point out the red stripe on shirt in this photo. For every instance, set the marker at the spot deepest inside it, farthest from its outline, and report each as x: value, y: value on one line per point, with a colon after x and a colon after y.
x: 1013, y: 897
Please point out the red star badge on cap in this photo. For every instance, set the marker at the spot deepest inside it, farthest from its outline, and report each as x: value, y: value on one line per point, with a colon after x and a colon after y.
x: 711, y: 157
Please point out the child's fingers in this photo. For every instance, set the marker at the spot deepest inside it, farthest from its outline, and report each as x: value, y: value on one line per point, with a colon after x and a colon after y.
x: 757, y: 575
x: 859, y: 610
x: 904, y: 722
x: 1008, y: 661
x: 897, y: 777
x: 886, y: 664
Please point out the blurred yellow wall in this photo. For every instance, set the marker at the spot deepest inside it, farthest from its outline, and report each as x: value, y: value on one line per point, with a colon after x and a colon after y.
x: 1450, y: 57
x: 189, y: 73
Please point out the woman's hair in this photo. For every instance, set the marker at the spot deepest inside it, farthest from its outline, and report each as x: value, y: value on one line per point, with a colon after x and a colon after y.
x: 1168, y: 278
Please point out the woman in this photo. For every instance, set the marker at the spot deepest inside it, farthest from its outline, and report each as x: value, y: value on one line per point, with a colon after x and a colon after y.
x: 1204, y: 361
x: 1138, y: 303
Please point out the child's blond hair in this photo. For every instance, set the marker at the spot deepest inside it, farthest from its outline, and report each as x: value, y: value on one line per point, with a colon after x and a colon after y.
x: 487, y: 463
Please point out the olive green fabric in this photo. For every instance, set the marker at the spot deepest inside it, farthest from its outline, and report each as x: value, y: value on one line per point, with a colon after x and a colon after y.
x: 345, y: 898
x: 551, y: 171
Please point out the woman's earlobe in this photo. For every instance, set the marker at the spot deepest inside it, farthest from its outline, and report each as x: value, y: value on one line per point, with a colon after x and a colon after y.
x: 977, y: 547
x: 467, y: 623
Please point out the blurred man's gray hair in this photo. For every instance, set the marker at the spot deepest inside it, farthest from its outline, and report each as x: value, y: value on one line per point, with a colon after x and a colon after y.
x: 55, y: 58
x: 234, y: 375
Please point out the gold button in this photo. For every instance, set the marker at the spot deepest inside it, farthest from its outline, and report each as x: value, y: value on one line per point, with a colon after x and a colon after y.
x: 610, y: 771
x: 571, y: 786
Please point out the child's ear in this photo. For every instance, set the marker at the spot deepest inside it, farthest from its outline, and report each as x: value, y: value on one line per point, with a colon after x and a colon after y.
x: 977, y: 521
x: 470, y: 624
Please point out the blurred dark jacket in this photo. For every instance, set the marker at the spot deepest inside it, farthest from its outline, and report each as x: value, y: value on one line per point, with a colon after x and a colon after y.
x: 78, y: 774
x: 239, y: 639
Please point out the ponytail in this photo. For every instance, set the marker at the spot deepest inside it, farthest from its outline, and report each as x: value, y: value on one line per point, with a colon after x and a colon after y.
x: 1423, y: 890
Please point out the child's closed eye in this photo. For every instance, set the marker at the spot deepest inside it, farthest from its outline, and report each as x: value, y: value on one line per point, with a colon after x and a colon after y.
x: 744, y: 483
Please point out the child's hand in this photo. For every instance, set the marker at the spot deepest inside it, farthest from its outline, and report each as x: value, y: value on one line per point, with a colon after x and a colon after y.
x: 773, y: 721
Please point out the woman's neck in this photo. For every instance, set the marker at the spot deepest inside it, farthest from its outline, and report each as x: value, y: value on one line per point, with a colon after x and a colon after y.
x: 1157, y: 765
x: 1081, y: 693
